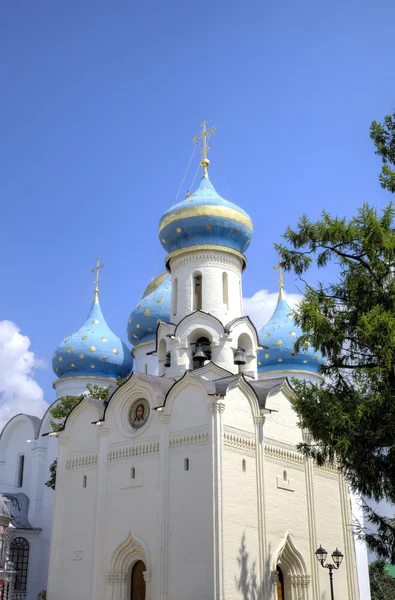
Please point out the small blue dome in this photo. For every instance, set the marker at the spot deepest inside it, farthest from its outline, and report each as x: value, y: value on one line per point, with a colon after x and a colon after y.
x: 94, y: 350
x: 278, y: 337
x: 204, y: 218
x: 153, y: 307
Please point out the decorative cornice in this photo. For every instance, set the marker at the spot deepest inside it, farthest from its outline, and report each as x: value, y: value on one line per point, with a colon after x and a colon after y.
x: 240, y: 444
x: 82, y: 461
x: 216, y: 407
x: 196, y: 439
x: 211, y: 258
x: 148, y: 449
x: 206, y: 210
x: 260, y: 420
x: 164, y: 418
x: 281, y: 456
x: 152, y: 342
x: 112, y: 577
x: 200, y: 247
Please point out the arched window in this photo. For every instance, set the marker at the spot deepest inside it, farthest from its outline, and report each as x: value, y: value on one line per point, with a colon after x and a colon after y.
x: 225, y: 292
x: 137, y: 584
x: 19, y: 555
x: 21, y: 466
x: 197, y: 291
x: 280, y: 584
x: 175, y: 296
x: 202, y: 352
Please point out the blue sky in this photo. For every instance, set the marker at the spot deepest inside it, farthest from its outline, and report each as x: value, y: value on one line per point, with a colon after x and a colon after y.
x: 100, y: 101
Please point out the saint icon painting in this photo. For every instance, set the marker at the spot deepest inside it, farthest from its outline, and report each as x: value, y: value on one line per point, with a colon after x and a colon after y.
x: 139, y: 413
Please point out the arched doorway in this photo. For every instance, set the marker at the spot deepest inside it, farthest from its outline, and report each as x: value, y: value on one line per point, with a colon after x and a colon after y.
x: 280, y: 585
x: 137, y: 583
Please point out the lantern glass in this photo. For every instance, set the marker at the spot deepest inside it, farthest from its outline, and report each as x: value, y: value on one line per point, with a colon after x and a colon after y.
x: 321, y: 554
x: 337, y: 557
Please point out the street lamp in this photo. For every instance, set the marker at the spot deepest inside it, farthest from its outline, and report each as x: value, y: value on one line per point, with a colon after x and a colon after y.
x: 337, y: 558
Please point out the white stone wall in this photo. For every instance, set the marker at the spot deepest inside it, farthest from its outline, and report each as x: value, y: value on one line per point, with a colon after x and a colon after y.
x: 144, y: 362
x: 211, y: 264
x: 74, y: 386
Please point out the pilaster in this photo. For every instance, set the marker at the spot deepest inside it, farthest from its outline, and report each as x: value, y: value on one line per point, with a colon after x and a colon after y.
x: 309, y: 479
x: 100, y: 513
x: 217, y: 409
x: 164, y: 502
x: 349, y: 548
x: 260, y: 471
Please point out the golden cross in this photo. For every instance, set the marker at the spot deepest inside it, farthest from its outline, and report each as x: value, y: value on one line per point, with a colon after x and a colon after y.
x: 203, y: 136
x: 97, y: 269
x: 280, y: 279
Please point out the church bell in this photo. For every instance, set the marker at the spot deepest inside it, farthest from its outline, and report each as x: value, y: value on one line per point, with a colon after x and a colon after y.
x: 200, y: 356
x: 167, y: 361
x: 240, y: 357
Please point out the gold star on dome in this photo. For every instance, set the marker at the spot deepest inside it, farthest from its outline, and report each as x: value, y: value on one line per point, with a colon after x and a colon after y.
x: 138, y: 326
x: 84, y: 337
x: 234, y: 231
x: 60, y: 358
x: 105, y: 357
x: 160, y: 300
x: 316, y: 358
x: 278, y: 343
x: 57, y: 370
x: 147, y: 312
x: 92, y: 349
x: 266, y: 335
x: 267, y: 355
x: 305, y: 361
x: 103, y: 339
x: 164, y: 241
x: 280, y: 360
x: 179, y: 229
x: 72, y: 365
x: 69, y: 350
x: 209, y: 227
x: 115, y: 351
x: 292, y: 333
x: 259, y: 364
x: 92, y: 366
x: 307, y: 343
x: 149, y: 329
x: 81, y: 356
x: 158, y: 321
x: 140, y: 305
x: 135, y: 336
x: 95, y: 322
x: 54, y: 354
x: 130, y: 320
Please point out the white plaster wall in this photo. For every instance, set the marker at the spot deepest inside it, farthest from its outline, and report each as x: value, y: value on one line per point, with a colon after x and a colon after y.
x: 211, y: 264
x: 361, y: 551
x: 282, y: 425
x: 144, y: 362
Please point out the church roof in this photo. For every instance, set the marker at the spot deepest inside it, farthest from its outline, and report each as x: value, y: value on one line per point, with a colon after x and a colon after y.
x: 153, y: 307
x: 278, y: 338
x: 93, y: 350
x: 205, y: 218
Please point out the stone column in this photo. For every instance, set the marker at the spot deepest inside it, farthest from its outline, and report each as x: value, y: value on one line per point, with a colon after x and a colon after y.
x: 54, y: 584
x: 39, y: 475
x: 217, y: 408
x: 309, y: 479
x: 98, y: 567
x: 164, y: 501
x: 265, y: 581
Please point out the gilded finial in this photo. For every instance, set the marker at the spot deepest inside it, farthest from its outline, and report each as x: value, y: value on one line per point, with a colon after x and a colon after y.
x: 280, y: 281
x: 97, y: 269
x: 205, y: 163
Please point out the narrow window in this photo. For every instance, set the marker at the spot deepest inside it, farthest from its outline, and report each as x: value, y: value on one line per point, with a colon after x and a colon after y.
x: 243, y: 466
x: 133, y: 473
x: 146, y: 369
x: 197, y: 291
x: 175, y: 295
x: 284, y: 475
x: 21, y: 466
x: 225, y: 294
x: 186, y: 464
x: 19, y: 556
x: 84, y: 481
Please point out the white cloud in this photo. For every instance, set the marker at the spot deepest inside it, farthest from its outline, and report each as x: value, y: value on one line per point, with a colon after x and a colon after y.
x: 19, y: 392
x: 261, y: 305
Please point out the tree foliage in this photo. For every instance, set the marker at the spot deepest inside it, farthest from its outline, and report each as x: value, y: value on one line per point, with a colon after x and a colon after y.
x: 352, y: 322
x: 382, y: 585
x: 383, y: 135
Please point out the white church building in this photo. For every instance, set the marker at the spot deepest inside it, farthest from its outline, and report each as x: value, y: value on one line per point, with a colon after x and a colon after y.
x: 187, y: 484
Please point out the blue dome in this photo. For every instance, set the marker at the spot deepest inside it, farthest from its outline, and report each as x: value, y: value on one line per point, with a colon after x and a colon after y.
x: 204, y: 218
x: 153, y: 307
x: 278, y: 337
x: 94, y: 350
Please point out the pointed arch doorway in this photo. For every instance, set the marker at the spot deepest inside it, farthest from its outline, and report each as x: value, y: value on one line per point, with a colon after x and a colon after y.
x: 137, y: 581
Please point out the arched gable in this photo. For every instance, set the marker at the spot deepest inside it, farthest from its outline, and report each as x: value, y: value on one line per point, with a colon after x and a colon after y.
x: 201, y: 321
x: 127, y: 553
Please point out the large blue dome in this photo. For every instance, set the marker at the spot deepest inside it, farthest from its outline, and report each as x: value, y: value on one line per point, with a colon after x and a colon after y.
x: 205, y: 218
x: 278, y: 337
x: 94, y: 350
x: 153, y: 307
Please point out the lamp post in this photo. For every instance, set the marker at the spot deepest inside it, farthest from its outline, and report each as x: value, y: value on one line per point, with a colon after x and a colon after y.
x: 337, y: 558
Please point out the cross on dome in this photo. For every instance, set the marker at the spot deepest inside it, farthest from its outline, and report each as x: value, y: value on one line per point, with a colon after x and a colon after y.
x: 97, y: 278
x: 205, y: 163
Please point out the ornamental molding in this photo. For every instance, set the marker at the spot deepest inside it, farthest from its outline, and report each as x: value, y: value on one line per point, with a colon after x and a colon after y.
x: 326, y: 471
x: 273, y: 442
x: 241, y: 432
x: 216, y: 407
x: 212, y: 257
x: 111, y: 577
x: 300, y: 581
x: 82, y: 461
x: 240, y: 443
x: 133, y: 451
x: 164, y: 418
x: 281, y: 456
x: 194, y: 439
